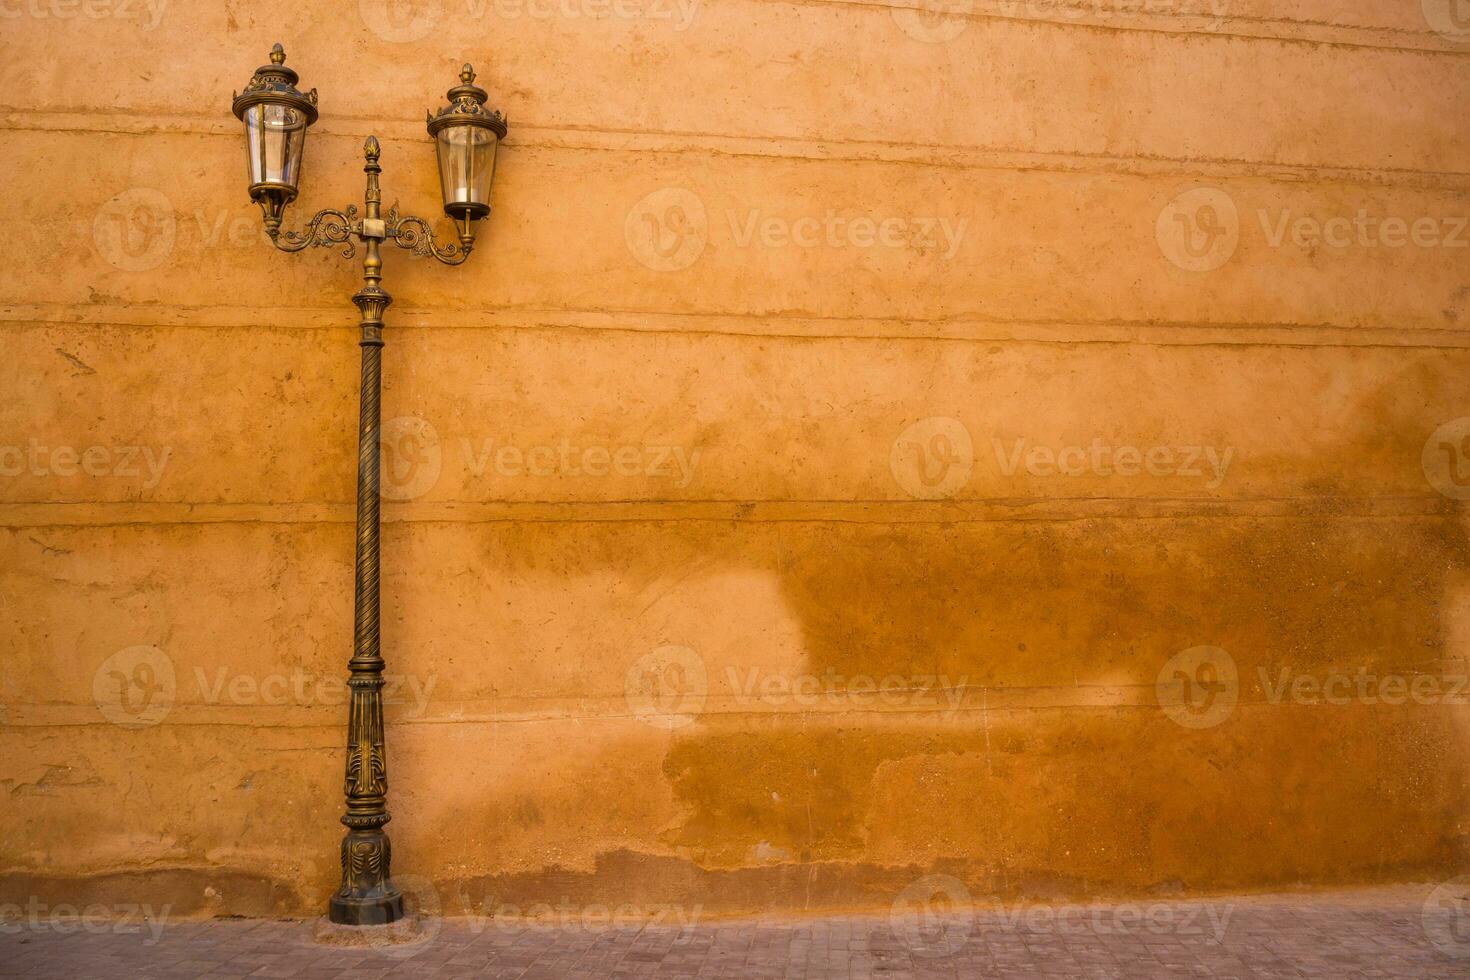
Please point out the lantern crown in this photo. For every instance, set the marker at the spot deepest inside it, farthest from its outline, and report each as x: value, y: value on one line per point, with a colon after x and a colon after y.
x: 275, y: 83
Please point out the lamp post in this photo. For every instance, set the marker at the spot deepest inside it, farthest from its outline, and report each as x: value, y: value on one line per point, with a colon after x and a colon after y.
x: 276, y: 116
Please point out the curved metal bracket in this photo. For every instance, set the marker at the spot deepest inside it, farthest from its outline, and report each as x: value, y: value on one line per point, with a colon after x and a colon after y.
x: 327, y: 228
x: 413, y: 233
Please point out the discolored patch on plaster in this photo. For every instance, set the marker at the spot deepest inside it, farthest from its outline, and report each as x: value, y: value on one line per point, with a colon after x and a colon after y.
x: 1088, y: 802
x: 1065, y: 794
x: 676, y: 890
x: 1063, y: 603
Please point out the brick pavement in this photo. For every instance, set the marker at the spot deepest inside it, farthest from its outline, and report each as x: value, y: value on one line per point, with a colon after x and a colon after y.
x: 1383, y: 934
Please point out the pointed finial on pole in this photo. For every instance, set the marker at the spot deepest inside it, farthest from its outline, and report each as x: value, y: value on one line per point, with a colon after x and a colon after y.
x: 371, y: 149
x: 278, y: 54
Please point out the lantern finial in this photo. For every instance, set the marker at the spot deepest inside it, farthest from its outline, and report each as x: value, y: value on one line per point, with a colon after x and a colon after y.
x: 278, y: 54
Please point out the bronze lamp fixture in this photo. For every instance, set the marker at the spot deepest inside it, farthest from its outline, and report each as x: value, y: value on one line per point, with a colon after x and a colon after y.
x: 277, y: 115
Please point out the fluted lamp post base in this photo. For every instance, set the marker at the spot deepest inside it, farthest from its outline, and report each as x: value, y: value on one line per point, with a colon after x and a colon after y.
x: 367, y: 896
x: 369, y: 910
x: 378, y: 911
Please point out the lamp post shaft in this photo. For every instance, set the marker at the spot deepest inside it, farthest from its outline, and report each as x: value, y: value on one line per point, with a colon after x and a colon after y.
x: 367, y: 895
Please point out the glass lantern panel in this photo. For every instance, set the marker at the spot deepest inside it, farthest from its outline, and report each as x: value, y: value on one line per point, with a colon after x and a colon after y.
x: 275, y: 139
x: 466, y: 164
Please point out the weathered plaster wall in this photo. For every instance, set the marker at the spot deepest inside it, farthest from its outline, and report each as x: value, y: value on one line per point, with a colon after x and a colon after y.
x: 677, y: 479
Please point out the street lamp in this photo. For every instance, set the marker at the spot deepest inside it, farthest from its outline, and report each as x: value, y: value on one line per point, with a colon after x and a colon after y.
x: 276, y: 115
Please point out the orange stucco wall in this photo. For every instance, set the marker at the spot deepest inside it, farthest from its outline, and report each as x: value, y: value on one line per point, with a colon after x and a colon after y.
x: 1023, y: 442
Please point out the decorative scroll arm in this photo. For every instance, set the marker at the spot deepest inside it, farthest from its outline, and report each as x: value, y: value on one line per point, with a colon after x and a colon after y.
x: 413, y: 233
x: 326, y: 229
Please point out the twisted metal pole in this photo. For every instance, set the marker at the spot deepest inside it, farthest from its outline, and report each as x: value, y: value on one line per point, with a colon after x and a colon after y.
x: 367, y: 895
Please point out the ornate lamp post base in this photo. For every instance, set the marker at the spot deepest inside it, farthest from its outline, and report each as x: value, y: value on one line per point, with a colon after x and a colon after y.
x: 368, y: 912
x: 367, y: 897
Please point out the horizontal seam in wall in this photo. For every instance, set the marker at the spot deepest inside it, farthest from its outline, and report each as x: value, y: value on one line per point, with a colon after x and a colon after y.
x: 934, y: 156
x: 1140, y: 28
x: 27, y: 317
x: 1425, y: 509
x: 976, y: 713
